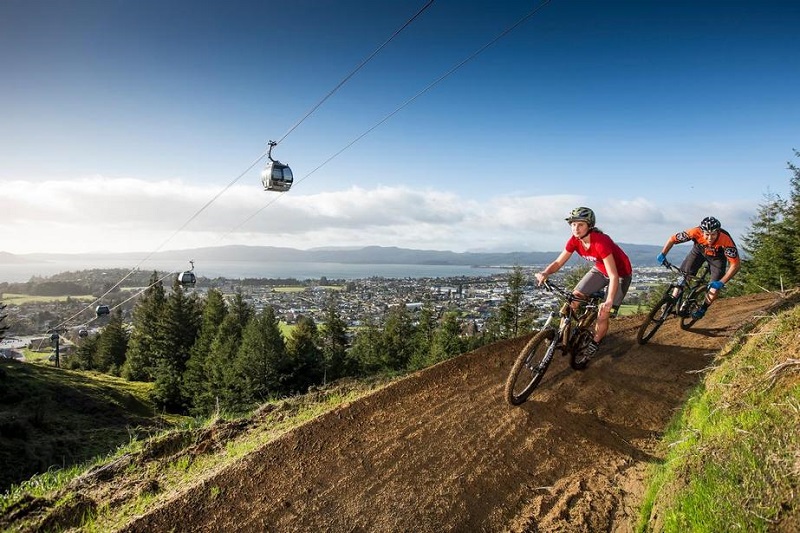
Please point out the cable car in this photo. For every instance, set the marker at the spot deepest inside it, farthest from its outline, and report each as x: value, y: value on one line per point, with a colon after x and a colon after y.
x: 188, y: 278
x: 102, y: 310
x: 83, y: 333
x: 276, y: 176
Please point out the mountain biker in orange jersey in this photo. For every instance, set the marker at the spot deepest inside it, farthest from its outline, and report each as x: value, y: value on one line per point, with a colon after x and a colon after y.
x: 713, y: 245
x: 611, y: 268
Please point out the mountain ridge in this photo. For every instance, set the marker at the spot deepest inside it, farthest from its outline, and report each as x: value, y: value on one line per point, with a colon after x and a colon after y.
x: 639, y: 254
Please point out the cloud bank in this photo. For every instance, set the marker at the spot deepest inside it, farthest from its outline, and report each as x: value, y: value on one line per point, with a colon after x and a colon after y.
x: 98, y: 213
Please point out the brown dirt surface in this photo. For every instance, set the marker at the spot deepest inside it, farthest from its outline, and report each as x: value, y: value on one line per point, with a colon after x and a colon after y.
x: 442, y: 451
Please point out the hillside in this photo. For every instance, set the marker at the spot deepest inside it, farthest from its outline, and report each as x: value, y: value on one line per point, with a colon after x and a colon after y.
x: 442, y: 451
x: 55, y: 417
x: 639, y: 254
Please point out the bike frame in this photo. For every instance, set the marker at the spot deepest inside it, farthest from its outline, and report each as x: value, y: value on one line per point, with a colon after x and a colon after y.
x: 574, y: 330
x: 688, y: 286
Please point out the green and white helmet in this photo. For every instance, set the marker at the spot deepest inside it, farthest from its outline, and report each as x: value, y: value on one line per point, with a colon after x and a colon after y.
x: 581, y: 214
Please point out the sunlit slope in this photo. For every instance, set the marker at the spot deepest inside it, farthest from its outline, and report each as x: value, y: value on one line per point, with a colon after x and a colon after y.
x: 441, y: 450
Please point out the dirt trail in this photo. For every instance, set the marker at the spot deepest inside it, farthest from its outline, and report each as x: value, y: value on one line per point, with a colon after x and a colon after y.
x: 442, y: 451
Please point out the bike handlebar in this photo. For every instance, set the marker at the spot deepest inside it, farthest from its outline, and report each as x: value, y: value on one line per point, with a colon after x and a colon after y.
x: 552, y: 287
x: 679, y: 270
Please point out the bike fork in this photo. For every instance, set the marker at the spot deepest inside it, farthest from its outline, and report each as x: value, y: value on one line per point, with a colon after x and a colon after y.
x: 548, y: 355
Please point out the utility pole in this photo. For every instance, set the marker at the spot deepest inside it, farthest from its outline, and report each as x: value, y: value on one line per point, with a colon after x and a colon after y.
x: 55, y: 337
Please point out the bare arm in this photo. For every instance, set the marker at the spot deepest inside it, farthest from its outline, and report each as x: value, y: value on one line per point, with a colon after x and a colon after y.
x: 553, y: 267
x: 667, y: 247
x: 613, y: 282
x: 733, y: 268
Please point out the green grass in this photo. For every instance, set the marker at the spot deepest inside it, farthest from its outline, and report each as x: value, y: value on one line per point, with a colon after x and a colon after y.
x: 732, y: 460
x: 165, y: 464
x: 290, y: 288
x: 57, y: 418
x: 628, y: 309
x: 286, y: 329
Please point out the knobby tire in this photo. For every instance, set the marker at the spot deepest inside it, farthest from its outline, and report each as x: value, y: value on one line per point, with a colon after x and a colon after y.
x: 657, y: 316
x: 528, y: 369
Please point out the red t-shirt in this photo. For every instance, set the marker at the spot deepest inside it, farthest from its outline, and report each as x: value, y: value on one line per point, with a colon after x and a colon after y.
x: 600, y: 247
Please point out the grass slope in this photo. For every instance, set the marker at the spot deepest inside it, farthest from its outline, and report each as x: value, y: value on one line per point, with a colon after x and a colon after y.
x: 105, y: 495
x: 733, y: 459
x: 56, y: 418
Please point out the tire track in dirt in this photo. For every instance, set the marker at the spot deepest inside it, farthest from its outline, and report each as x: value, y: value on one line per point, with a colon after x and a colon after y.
x: 442, y: 451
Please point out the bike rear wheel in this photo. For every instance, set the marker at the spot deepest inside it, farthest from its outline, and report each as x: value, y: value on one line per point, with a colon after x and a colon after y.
x: 530, y: 366
x: 657, y: 316
x: 694, y: 300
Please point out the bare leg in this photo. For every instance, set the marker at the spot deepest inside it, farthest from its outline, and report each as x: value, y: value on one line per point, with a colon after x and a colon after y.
x: 601, y: 326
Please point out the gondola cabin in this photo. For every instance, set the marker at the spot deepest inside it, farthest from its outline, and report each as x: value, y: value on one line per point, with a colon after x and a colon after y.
x: 102, y: 310
x: 187, y: 279
x: 277, y: 177
x: 83, y: 333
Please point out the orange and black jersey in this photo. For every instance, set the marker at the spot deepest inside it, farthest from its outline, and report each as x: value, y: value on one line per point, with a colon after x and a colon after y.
x: 722, y: 247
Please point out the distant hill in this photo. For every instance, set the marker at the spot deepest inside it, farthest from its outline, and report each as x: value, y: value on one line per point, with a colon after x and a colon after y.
x: 11, y: 259
x: 640, y: 254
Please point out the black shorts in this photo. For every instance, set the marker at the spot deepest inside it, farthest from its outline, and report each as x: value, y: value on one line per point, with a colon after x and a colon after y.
x: 695, y: 258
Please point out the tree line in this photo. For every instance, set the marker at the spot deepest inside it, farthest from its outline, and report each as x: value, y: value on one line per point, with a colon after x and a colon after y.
x: 208, y: 353
x: 772, y: 244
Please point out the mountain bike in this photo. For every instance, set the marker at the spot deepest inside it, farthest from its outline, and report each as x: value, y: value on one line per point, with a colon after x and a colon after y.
x: 570, y: 334
x: 682, y: 298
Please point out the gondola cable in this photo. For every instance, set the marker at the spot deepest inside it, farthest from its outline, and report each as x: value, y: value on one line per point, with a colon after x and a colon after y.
x: 358, y: 67
x: 267, y: 153
x: 402, y: 106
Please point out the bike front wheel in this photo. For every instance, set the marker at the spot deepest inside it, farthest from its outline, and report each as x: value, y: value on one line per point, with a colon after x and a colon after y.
x: 693, y: 301
x: 657, y: 316
x: 530, y: 366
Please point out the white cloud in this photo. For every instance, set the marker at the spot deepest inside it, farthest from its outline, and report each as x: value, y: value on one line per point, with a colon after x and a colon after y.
x: 97, y: 213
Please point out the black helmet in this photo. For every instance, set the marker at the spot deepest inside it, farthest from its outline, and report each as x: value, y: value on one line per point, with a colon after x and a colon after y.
x: 581, y: 214
x: 710, y: 224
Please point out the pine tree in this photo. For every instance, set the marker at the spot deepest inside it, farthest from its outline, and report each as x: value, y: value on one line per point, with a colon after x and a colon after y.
x: 368, y: 349
x: 333, y: 336
x: 768, y: 261
x: 262, y: 364
x: 222, y: 383
x: 509, y: 314
x: 112, y: 345
x: 771, y: 244
x: 176, y: 334
x: 85, y: 355
x: 195, y: 381
x: 398, y: 335
x: 146, y: 317
x: 423, y: 336
x: 306, y: 356
x: 793, y: 220
x: 447, y: 341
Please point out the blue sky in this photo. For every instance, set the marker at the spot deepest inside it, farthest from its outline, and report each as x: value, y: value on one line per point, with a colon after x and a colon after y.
x: 121, y: 119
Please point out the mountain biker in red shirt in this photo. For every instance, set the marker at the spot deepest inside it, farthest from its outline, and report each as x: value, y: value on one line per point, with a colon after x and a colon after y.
x: 713, y: 245
x: 611, y: 268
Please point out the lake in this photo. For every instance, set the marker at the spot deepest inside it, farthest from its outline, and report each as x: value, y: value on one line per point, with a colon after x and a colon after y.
x: 22, y: 272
